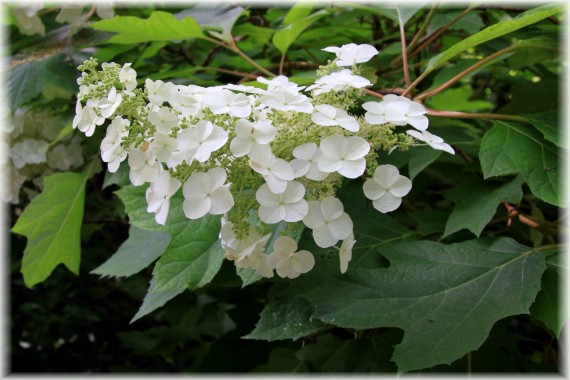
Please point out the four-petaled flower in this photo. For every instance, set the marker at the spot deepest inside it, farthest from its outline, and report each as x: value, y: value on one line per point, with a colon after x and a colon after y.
x: 328, y: 221
x: 289, y: 263
x: 397, y: 110
x: 386, y: 188
x: 345, y: 252
x: 200, y: 141
x: 351, y: 54
x: 252, y: 139
x: 276, y: 172
x: 205, y: 193
x: 144, y: 167
x: 328, y: 116
x: 432, y: 140
x: 344, y: 155
x: 158, y: 195
x: 288, y: 206
x: 305, y: 162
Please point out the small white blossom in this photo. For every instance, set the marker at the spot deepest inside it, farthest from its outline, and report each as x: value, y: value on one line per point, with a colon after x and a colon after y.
x: 284, y: 100
x: 288, y: 206
x: 112, y: 151
x: 345, y: 252
x: 247, y: 253
x: 200, y: 141
x: 225, y: 101
x: 128, y: 76
x: 163, y: 146
x: 276, y: 172
x: 338, y: 81
x: 10, y: 183
x: 163, y: 119
x: 205, y: 193
x: 144, y: 167
x: 86, y: 119
x: 327, y: 115
x: 344, y: 155
x: 328, y: 221
x: 397, y: 110
x: 158, y: 92
x: 159, y: 193
x: 432, y: 140
x: 29, y: 151
x: 282, y: 82
x: 187, y: 99
x: 351, y: 54
x: 386, y: 188
x: 289, y: 263
x: 305, y: 162
x: 252, y: 139
x: 109, y: 105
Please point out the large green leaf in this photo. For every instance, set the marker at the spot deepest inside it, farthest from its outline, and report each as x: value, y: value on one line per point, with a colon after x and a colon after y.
x: 547, y: 123
x: 497, y: 30
x: 52, y: 224
x: 446, y: 298
x: 512, y: 148
x: 160, y: 26
x: 154, y: 300
x: 286, y: 318
x: 135, y: 254
x: 28, y: 78
x: 548, y: 305
x: 194, y: 254
x: 476, y: 202
x: 283, y: 38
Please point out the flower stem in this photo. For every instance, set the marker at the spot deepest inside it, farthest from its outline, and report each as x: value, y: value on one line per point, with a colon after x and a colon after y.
x: 465, y: 115
x: 404, y: 51
x: 233, y: 47
x: 462, y: 74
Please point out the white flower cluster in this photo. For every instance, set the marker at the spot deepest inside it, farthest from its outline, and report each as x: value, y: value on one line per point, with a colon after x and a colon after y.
x: 27, y: 154
x: 275, y: 150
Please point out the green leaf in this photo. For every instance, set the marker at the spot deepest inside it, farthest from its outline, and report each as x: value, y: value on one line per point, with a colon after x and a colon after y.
x: 52, y: 224
x: 361, y: 355
x: 476, y: 203
x: 497, y: 30
x: 285, y: 318
x: 135, y: 254
x: 27, y: 79
x: 260, y: 35
x: 512, y: 148
x: 446, y: 298
x: 282, y: 360
x: 160, y: 26
x: 547, y: 306
x: 547, y: 124
x: 297, y: 12
x: 421, y: 158
x: 471, y: 22
x: 458, y: 99
x: 283, y: 38
x: 119, y: 178
x: 154, y: 300
x: 194, y: 254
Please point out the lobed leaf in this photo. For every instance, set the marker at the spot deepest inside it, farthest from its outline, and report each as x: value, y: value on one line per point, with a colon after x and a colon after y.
x: 512, y: 148
x: 135, y: 254
x: 194, y: 254
x: 160, y: 26
x: 285, y: 318
x: 283, y: 38
x: 52, y: 224
x: 476, y: 203
x: 446, y: 298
